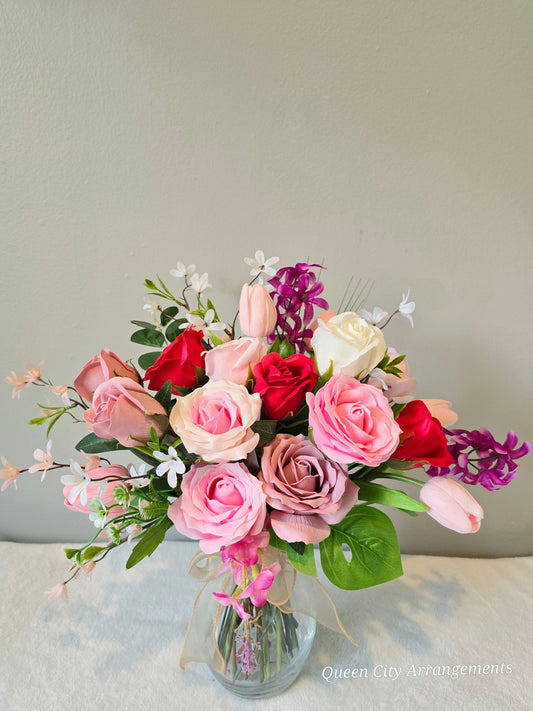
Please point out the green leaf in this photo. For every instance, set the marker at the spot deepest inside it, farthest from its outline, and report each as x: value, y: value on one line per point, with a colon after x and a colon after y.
x: 149, y: 542
x: 164, y: 395
x: 148, y: 359
x: 379, y: 494
x: 303, y: 562
x: 92, y: 552
x: 215, y: 339
x: 91, y: 444
x: 147, y: 337
x: 145, y: 455
x: 38, y: 420
x: 266, y: 429
x: 283, y: 347
x: 168, y: 314
x: 155, y: 510
x: 145, y: 324
x: 375, y: 553
x: 70, y: 552
x: 297, y: 546
x: 174, y: 329
x: 277, y: 542
x: 397, y: 407
x: 323, y: 379
x: 53, y: 421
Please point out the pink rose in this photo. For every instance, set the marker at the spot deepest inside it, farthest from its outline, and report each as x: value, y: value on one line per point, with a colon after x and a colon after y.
x: 257, y: 312
x: 220, y: 504
x: 214, y: 421
x: 451, y: 505
x: 93, y: 490
x: 353, y: 422
x: 307, y: 491
x: 232, y: 360
x: 124, y: 411
x: 101, y: 368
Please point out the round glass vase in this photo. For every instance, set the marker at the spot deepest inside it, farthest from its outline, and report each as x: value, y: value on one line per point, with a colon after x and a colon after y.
x: 263, y: 656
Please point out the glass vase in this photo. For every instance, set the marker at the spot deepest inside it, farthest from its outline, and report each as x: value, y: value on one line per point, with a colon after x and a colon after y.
x: 262, y: 656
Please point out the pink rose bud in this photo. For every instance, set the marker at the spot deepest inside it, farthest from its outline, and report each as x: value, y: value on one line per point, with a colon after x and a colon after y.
x: 124, y: 411
x: 99, y: 369
x: 257, y: 312
x: 233, y: 360
x: 451, y: 505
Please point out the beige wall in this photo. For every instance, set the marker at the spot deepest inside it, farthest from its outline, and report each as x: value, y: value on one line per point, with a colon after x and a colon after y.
x: 392, y: 139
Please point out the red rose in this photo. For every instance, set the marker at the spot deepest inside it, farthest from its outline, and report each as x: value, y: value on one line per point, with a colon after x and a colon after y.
x: 283, y: 383
x: 422, y: 438
x: 177, y: 362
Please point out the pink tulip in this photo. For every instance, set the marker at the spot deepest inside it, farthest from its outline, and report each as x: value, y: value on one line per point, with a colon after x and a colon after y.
x: 233, y: 360
x: 451, y: 505
x: 99, y: 369
x: 257, y: 312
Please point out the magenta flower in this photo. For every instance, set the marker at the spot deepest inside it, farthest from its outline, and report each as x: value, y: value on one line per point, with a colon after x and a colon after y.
x: 257, y: 590
x: 295, y: 289
x: 228, y: 601
x: 480, y: 459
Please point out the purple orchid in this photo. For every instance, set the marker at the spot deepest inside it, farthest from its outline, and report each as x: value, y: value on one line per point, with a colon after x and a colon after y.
x: 493, y: 465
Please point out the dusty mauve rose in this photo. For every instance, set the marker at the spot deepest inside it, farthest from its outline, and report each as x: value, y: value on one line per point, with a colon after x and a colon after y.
x: 257, y: 311
x: 93, y: 490
x: 124, y: 411
x: 307, y: 491
x: 101, y: 368
x: 214, y: 421
x: 283, y: 383
x: 350, y: 343
x: 220, y: 504
x: 352, y: 422
x: 177, y: 362
x: 232, y: 360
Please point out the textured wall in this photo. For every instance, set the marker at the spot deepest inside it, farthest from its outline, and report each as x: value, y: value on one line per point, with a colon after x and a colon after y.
x: 392, y: 139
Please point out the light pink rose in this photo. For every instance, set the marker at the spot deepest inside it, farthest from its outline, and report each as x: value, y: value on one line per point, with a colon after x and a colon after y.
x: 220, y: 504
x: 353, y: 422
x: 232, y: 360
x: 124, y: 411
x: 307, y: 491
x: 257, y: 311
x: 214, y: 421
x: 93, y: 490
x: 101, y: 368
x: 451, y: 505
x: 441, y: 409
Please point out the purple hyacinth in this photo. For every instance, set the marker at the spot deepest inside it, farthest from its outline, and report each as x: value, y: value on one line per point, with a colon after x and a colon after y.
x: 479, y: 459
x: 296, y: 289
x: 246, y: 654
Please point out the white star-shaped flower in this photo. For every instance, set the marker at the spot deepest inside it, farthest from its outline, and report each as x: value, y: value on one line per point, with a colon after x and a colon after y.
x: 406, y: 308
x: 260, y: 264
x: 79, y: 481
x: 375, y: 317
x: 205, y: 324
x: 182, y: 271
x: 138, y: 475
x: 151, y: 306
x: 171, y: 465
x: 200, y: 283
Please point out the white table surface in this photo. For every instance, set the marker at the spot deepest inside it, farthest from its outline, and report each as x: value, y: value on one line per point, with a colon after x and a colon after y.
x: 116, y: 643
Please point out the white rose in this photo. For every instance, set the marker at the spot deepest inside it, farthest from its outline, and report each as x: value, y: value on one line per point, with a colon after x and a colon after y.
x: 353, y: 345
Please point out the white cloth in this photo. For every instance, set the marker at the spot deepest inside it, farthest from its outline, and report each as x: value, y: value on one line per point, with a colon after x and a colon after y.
x: 116, y: 643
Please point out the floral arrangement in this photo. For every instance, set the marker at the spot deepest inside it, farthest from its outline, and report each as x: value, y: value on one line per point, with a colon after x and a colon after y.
x: 266, y: 447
